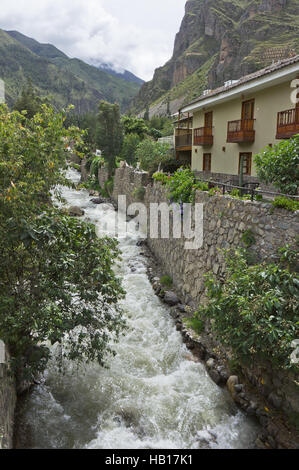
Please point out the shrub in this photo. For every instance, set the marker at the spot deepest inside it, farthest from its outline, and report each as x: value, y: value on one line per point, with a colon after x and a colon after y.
x: 215, y: 191
x: 195, y: 323
x: 255, y: 311
x: 182, y: 186
x: 280, y: 165
x: 153, y: 154
x: 285, y: 203
x: 162, y: 177
x: 166, y: 281
x: 129, y: 148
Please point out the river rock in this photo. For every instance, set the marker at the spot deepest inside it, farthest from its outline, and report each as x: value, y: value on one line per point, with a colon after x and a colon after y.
x: 233, y: 380
x: 75, y: 211
x: 97, y: 200
x: 170, y: 298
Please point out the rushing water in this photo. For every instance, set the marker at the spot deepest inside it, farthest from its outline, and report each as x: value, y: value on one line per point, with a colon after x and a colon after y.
x: 153, y: 395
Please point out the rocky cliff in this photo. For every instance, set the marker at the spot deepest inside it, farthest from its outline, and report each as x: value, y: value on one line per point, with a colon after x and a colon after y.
x: 221, y: 40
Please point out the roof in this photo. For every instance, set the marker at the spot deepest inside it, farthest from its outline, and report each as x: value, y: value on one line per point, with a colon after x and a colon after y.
x: 246, y: 79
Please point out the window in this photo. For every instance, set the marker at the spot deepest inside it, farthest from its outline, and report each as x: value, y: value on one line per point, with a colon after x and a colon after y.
x: 207, y: 157
x: 248, y: 110
x: 246, y: 157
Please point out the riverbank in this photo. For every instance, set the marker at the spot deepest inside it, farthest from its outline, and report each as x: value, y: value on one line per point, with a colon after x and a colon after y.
x: 270, y: 395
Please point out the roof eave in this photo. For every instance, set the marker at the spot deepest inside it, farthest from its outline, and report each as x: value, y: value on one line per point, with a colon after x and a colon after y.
x: 256, y: 84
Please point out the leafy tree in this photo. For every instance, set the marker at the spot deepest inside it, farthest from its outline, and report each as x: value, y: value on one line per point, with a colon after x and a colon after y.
x: 280, y: 165
x: 129, y: 148
x: 110, y: 133
x: 255, y: 311
x: 134, y: 125
x: 153, y: 154
x: 57, y: 284
x: 29, y: 101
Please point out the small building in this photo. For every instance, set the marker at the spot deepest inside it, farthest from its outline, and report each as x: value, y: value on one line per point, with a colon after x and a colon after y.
x: 233, y: 123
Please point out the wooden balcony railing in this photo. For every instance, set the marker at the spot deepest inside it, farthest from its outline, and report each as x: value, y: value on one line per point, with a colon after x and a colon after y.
x: 183, y: 139
x: 203, y: 136
x: 241, y: 130
x: 287, y: 123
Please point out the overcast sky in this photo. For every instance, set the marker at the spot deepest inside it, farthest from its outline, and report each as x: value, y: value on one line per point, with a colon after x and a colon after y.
x: 134, y: 34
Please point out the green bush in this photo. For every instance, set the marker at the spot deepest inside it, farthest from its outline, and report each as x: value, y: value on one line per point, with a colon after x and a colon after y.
x: 151, y: 154
x: 195, y: 323
x: 255, y: 311
x: 279, y: 165
x: 215, y: 191
x: 285, y: 203
x: 182, y: 186
x: 162, y: 177
x: 166, y: 281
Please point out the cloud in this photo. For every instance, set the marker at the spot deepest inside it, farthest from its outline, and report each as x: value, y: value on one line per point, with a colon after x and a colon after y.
x: 137, y: 35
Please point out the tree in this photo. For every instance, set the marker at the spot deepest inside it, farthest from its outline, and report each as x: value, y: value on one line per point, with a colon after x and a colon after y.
x: 57, y: 283
x: 151, y: 154
x: 110, y: 133
x: 280, y: 165
x: 134, y: 125
x: 29, y: 101
x: 129, y: 148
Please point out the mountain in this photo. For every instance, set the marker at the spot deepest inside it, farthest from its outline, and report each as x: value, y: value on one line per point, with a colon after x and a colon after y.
x: 63, y: 80
x: 220, y: 40
x: 126, y: 75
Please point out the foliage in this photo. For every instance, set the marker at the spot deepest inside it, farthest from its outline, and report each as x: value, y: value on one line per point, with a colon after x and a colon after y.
x: 134, y: 125
x: 161, y: 177
x: 286, y: 203
x: 129, y: 148
x: 255, y: 311
x: 166, y: 281
x: 57, y: 283
x: 248, y: 238
x: 28, y: 101
x: 153, y: 154
x: 195, y: 323
x: 96, y: 164
x: 280, y: 165
x: 215, y: 191
x: 160, y: 126
x: 182, y: 186
x: 110, y: 134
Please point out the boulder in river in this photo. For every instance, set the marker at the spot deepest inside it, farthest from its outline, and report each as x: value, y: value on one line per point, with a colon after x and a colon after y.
x: 75, y: 211
x: 170, y: 298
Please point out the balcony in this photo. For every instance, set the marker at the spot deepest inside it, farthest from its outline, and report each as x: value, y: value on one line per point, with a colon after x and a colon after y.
x: 183, y: 139
x: 203, y: 136
x: 287, y: 123
x: 241, y: 131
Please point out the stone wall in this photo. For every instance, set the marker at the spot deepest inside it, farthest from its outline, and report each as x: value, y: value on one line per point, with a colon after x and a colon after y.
x: 225, y: 222
x: 103, y: 176
x: 8, y: 400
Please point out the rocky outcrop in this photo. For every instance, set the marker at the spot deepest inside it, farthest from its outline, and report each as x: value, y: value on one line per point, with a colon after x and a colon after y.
x: 230, y: 39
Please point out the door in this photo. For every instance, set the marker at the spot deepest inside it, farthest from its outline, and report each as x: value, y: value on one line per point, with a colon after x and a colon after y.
x: 207, y: 160
x: 209, y: 119
x: 248, y: 110
x: 247, y: 158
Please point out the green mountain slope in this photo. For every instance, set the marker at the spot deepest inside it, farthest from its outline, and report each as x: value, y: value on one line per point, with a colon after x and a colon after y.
x: 221, y: 40
x: 64, y: 81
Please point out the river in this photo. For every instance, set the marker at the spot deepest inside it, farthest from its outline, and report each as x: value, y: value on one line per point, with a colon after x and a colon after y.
x: 152, y: 396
